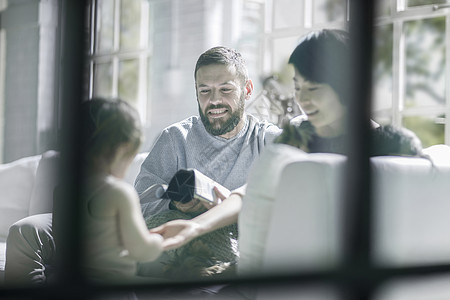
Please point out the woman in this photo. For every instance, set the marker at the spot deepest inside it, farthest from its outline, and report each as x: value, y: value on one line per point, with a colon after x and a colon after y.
x: 320, y: 62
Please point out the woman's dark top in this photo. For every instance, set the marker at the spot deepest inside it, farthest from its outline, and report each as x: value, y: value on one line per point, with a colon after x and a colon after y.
x: 303, y: 136
x: 385, y: 140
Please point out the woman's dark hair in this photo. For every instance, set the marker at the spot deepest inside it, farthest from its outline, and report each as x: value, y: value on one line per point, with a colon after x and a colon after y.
x: 392, y: 140
x: 323, y: 57
x: 107, y: 124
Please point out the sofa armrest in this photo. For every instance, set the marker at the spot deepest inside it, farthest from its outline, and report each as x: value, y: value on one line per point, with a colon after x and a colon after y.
x: 135, y: 167
x: 16, y: 185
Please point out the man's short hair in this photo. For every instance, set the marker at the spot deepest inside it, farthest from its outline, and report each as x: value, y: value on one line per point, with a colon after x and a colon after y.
x: 223, y: 56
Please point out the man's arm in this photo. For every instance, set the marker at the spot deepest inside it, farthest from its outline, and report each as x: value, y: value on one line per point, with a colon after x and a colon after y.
x: 158, y: 168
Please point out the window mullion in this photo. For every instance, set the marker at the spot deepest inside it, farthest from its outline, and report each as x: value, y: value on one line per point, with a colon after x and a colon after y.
x: 93, y: 23
x: 144, y: 26
x: 116, y: 36
x: 308, y: 14
x: 142, y: 87
x: 447, y: 79
x: 398, y: 72
x: 116, y: 48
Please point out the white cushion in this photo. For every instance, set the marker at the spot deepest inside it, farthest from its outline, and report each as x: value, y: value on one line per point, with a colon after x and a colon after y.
x: 411, y: 210
x: 2, y: 261
x: 258, y: 203
x: 291, y: 216
x: 135, y: 167
x: 47, y: 178
x: 306, y: 225
x: 16, y: 185
x: 439, y: 154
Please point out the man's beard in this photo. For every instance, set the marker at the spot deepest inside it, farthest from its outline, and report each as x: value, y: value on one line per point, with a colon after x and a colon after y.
x: 218, y: 126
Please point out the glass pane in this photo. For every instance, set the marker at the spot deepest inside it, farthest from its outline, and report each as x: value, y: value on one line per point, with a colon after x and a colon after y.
x: 105, y: 25
x: 430, y: 130
x: 287, y: 13
x: 382, y: 8
x: 282, y: 49
x: 382, y: 68
x: 103, y: 79
x: 425, y: 2
x: 425, y: 61
x: 130, y: 20
x: 416, y: 288
x: 129, y: 80
x: 326, y: 11
x: 250, y: 44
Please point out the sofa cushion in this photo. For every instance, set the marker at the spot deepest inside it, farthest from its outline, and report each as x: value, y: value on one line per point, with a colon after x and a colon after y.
x: 16, y: 185
x: 308, y: 207
x: 292, y: 219
x: 2, y: 261
x: 411, y: 209
x: 135, y: 167
x: 46, y: 179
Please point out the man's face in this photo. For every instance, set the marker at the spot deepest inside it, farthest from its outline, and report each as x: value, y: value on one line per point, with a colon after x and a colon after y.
x: 221, y: 96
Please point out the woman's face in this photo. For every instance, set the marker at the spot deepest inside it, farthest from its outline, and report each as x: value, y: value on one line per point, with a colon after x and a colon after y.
x: 321, y: 104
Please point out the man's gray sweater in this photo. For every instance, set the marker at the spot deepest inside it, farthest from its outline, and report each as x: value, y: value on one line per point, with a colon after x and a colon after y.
x: 187, y: 144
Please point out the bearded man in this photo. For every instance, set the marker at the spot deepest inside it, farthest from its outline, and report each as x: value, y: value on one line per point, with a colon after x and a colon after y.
x: 222, y: 142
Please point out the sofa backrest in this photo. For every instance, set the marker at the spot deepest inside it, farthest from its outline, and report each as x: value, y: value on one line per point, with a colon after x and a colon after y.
x: 411, y: 209
x: 410, y: 215
x: 306, y: 224
x: 16, y: 186
x: 27, y: 185
x: 135, y: 167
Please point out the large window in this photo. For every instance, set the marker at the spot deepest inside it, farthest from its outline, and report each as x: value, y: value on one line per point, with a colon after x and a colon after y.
x: 410, y: 55
x: 411, y: 68
x: 120, y: 50
x: 411, y: 76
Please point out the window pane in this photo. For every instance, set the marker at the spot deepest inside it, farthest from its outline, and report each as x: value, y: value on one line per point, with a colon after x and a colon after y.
x: 430, y: 130
x: 251, y: 45
x: 103, y: 79
x: 130, y: 20
x: 382, y: 8
x: 329, y: 11
x: 425, y: 61
x: 425, y: 2
x: 105, y: 25
x: 282, y: 49
x: 416, y: 288
x: 382, y: 68
x: 129, y: 80
x: 287, y: 13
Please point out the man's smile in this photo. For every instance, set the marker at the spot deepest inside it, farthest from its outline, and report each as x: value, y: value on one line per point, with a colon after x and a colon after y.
x: 217, y: 112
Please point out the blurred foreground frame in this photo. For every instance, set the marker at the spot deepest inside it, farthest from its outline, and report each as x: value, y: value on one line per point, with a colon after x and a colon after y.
x: 355, y: 278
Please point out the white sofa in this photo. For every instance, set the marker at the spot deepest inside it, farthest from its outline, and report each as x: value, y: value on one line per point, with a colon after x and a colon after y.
x: 412, y: 204
x: 292, y: 221
x: 26, y: 187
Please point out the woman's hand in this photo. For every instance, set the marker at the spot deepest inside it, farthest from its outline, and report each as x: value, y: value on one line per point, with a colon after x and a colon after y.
x: 177, y: 233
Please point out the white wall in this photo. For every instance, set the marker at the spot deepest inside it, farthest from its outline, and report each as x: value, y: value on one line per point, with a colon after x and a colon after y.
x: 183, y: 29
x: 30, y: 29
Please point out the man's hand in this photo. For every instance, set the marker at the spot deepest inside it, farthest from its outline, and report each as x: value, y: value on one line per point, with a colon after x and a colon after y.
x: 193, y: 206
x: 197, y: 206
x: 177, y: 233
